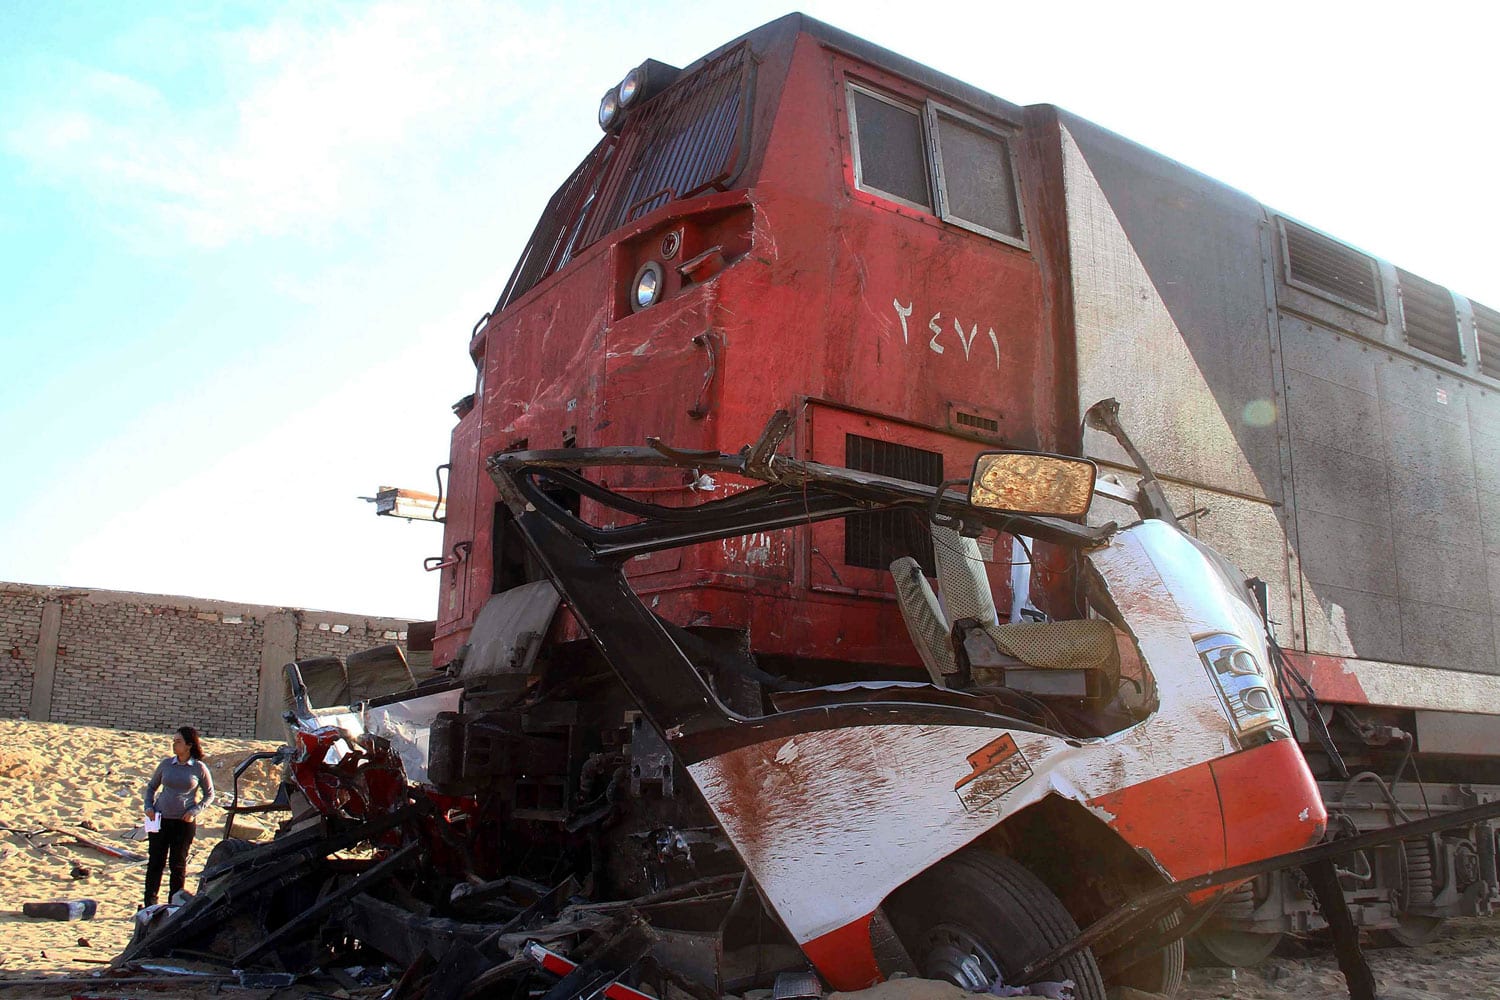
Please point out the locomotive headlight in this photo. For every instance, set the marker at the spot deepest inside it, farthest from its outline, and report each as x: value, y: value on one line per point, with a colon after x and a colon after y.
x: 609, y: 109
x: 1245, y: 687
x: 647, y: 287
x: 630, y: 88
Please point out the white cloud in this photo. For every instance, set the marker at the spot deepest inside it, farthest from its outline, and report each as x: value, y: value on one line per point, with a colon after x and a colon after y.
x: 319, y: 116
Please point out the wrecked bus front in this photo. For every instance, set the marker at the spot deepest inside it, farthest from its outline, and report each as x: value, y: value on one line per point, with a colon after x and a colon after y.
x: 1128, y: 731
x: 958, y: 826
x: 832, y: 821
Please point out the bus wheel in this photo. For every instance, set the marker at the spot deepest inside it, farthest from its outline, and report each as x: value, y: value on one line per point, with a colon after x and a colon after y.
x: 226, y: 850
x: 1240, y: 949
x: 1158, y: 973
x: 975, y: 918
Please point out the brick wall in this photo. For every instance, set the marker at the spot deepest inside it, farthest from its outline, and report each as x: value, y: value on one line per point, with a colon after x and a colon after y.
x: 332, y: 635
x: 20, y: 628
x: 152, y: 662
x: 157, y: 666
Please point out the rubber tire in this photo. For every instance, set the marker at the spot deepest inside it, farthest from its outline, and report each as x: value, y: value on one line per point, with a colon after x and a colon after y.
x: 1002, y: 905
x: 225, y: 851
x: 1160, y: 973
x: 247, y: 927
x: 239, y: 930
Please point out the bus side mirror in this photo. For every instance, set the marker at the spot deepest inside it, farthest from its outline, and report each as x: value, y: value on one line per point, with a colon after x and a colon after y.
x: 1028, y: 482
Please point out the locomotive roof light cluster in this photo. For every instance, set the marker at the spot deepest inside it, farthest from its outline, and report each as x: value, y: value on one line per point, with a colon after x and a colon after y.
x: 630, y: 88
x: 639, y: 86
x: 609, y: 110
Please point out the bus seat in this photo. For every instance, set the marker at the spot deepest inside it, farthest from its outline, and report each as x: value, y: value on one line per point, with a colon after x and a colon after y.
x: 1079, y: 659
x: 925, y: 621
x: 962, y: 578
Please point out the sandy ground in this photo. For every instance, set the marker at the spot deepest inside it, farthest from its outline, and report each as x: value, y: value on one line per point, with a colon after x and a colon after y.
x: 1463, y: 962
x: 59, y: 781
x: 56, y: 778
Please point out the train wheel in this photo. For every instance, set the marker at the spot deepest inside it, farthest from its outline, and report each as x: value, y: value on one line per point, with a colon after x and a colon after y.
x: 1240, y: 949
x: 1409, y: 932
x: 975, y: 918
x: 1418, y: 887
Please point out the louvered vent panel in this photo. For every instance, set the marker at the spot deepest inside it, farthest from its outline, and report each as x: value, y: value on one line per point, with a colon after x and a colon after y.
x: 1429, y: 318
x: 1487, y: 323
x: 879, y: 538
x: 682, y: 142
x: 1320, y: 264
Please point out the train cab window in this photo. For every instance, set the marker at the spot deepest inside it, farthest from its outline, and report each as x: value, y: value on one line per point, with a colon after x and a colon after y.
x: 889, y: 155
x: 978, y: 185
x: 938, y: 160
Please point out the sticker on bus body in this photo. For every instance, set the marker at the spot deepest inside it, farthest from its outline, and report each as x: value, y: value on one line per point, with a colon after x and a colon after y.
x: 998, y: 766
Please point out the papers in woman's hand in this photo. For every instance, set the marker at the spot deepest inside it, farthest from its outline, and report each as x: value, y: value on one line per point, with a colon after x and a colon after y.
x: 153, y: 825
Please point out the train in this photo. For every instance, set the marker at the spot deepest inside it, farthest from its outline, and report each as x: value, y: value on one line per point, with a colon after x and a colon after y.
x: 911, y: 273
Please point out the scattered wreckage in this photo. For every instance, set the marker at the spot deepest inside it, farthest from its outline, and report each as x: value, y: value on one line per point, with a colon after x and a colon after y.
x: 650, y: 809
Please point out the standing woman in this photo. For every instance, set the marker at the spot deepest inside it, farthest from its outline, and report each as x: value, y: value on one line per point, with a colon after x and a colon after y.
x: 177, y: 793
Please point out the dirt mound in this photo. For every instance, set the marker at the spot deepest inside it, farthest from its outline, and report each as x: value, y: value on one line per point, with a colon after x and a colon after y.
x: 20, y: 764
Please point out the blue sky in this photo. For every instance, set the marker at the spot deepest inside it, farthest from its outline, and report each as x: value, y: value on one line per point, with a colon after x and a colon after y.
x: 242, y: 244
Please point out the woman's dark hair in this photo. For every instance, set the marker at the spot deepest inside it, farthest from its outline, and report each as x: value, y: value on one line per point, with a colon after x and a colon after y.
x: 195, y: 748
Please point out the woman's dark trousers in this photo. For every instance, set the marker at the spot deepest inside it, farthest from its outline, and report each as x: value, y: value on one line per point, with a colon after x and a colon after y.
x: 173, y: 839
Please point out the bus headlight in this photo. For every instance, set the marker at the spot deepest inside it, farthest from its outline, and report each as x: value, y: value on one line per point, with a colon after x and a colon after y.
x: 1245, y: 686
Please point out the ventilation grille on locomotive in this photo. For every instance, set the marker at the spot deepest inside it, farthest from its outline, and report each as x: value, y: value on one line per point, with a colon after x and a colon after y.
x: 1487, y: 325
x: 1429, y: 318
x: 1318, y: 264
x: 879, y: 538
x: 976, y: 422
x: 686, y: 140
x: 680, y: 144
